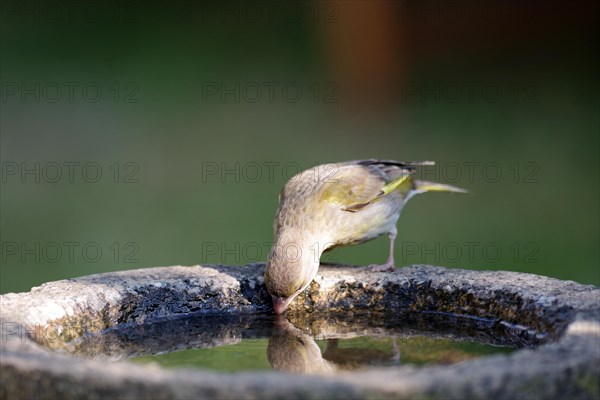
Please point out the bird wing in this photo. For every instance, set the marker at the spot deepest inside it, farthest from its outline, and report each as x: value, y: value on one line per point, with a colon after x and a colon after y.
x: 357, y: 184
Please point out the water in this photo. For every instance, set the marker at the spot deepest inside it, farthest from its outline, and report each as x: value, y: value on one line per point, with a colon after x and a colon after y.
x: 306, y: 355
x: 313, y: 344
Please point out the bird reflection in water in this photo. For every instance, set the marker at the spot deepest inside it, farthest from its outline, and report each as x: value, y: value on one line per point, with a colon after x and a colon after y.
x: 292, y: 350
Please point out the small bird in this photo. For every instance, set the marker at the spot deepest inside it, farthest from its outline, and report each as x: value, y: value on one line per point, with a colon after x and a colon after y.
x: 337, y: 204
x: 292, y: 350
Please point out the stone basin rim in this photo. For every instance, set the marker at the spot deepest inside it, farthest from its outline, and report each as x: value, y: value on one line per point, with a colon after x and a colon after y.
x: 571, y: 307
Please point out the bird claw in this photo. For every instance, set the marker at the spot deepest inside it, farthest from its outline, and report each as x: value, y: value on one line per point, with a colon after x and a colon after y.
x: 382, y: 267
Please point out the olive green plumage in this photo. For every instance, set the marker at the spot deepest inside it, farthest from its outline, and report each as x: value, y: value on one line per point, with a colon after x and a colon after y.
x: 332, y: 205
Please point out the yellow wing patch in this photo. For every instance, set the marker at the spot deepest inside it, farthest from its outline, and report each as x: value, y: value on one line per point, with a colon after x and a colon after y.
x: 404, y: 180
x: 355, y: 187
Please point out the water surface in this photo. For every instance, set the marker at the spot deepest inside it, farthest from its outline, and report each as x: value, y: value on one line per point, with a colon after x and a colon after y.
x: 313, y: 344
x: 302, y: 354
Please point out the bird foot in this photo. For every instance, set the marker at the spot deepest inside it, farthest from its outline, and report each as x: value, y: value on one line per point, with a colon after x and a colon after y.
x: 387, y: 267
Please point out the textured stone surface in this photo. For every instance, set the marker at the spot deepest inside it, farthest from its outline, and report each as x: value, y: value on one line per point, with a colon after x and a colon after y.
x: 525, y: 309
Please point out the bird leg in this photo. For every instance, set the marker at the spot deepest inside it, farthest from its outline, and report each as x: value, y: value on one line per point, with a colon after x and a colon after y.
x: 395, y: 351
x: 389, y: 266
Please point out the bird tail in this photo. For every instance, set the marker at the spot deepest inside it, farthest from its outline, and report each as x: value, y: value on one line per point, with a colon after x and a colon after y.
x: 424, y: 186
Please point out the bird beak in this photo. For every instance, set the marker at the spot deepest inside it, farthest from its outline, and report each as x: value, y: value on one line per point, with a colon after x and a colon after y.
x: 280, y: 304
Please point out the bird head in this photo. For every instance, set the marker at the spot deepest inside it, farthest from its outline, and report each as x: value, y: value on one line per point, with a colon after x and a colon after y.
x: 290, y: 349
x: 290, y: 269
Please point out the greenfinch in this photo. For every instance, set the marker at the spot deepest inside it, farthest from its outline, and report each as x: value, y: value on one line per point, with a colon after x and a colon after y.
x: 292, y: 350
x: 337, y: 204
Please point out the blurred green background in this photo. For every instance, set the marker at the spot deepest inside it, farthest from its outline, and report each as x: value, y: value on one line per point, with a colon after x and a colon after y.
x: 159, y: 133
